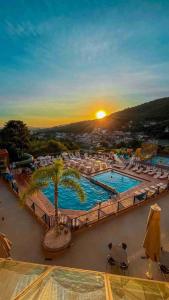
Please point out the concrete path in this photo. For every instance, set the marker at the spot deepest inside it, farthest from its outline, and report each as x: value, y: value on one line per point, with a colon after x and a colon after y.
x: 89, y: 248
x: 20, y: 227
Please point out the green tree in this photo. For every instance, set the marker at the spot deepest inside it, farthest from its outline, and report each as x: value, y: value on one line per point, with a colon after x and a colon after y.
x: 55, y: 146
x: 42, y: 147
x: 60, y: 177
x: 15, y: 138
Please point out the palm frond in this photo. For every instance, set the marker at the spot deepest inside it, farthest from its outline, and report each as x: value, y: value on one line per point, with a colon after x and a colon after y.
x: 74, y: 185
x: 72, y: 172
x: 31, y: 189
x: 44, y: 173
x: 58, y: 166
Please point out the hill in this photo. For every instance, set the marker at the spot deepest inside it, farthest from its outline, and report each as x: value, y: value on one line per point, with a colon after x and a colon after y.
x: 155, y: 112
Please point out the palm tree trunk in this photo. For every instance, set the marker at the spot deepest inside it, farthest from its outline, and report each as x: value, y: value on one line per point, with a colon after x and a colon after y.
x: 56, y: 208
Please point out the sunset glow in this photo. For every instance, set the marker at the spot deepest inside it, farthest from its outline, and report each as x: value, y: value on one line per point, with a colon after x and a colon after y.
x: 91, y: 56
x: 100, y: 114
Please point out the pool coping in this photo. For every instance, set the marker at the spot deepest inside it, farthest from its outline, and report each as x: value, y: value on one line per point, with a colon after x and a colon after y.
x: 114, y: 189
x: 44, y: 203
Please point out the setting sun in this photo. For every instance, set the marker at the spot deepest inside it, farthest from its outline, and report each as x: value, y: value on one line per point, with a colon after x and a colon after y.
x: 100, y: 114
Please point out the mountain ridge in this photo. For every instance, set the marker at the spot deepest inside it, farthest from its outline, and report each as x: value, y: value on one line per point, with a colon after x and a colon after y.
x: 155, y: 110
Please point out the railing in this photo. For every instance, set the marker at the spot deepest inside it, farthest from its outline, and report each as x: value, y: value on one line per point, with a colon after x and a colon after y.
x: 46, y: 219
x: 42, y: 216
x: 94, y: 215
x: 114, y: 208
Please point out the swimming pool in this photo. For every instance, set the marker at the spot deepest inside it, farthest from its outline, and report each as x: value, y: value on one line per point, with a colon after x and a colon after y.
x: 69, y: 200
x: 159, y: 160
x: 119, y: 182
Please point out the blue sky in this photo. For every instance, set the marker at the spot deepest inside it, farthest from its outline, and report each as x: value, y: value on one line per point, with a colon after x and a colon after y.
x: 62, y: 60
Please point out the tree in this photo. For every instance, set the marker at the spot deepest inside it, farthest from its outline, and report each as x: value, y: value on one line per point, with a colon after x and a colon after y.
x: 55, y: 146
x: 15, y: 138
x: 60, y: 177
x: 42, y: 147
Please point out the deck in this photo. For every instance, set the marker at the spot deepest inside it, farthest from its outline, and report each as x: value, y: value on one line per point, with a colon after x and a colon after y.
x: 89, y: 247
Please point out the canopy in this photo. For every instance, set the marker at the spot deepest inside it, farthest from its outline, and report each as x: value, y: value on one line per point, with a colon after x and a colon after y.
x: 152, y: 237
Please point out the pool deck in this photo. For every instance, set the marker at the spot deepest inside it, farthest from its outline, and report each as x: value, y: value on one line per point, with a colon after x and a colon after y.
x: 46, y: 206
x: 89, y: 247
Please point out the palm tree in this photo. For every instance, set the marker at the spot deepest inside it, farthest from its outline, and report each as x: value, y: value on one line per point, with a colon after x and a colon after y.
x: 60, y: 177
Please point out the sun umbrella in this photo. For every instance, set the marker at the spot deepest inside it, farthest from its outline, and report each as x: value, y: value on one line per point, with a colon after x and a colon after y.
x: 5, y: 246
x: 152, y: 237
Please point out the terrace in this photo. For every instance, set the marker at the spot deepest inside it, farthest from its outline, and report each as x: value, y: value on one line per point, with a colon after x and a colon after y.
x: 89, y: 246
x: 148, y: 186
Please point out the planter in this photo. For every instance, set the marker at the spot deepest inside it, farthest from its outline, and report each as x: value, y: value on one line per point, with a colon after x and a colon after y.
x: 54, y: 243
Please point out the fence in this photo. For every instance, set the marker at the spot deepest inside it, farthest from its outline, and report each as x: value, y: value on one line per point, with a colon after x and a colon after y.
x: 102, y: 211
x: 95, y: 215
x: 42, y: 216
x: 116, y: 207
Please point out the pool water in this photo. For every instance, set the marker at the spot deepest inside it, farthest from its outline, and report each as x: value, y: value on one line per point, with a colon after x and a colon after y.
x: 160, y: 160
x: 68, y: 199
x: 117, y: 181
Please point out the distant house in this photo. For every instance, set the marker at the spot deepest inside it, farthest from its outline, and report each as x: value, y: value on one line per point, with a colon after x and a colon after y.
x: 149, y: 123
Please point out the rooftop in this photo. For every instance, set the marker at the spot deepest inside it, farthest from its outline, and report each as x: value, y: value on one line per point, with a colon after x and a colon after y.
x: 31, y: 281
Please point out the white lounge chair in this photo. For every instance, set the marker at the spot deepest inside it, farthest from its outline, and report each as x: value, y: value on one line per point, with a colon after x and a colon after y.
x: 157, y: 175
x: 139, y: 170
x: 148, y: 169
x: 164, y: 176
x: 152, y: 172
x: 150, y: 192
x: 154, y: 187
x: 135, y: 168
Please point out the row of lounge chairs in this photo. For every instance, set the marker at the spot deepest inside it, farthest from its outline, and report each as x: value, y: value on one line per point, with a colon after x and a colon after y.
x: 87, y: 166
x: 152, y: 171
x: 151, y: 191
x: 43, y: 161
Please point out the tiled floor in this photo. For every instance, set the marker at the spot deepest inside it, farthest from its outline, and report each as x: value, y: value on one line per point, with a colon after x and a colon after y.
x: 89, y: 247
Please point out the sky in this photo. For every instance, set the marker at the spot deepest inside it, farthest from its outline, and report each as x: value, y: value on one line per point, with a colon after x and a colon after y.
x: 63, y: 60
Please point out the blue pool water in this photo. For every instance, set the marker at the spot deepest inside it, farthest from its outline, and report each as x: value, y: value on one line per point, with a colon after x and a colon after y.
x: 118, y: 181
x: 160, y: 160
x: 69, y: 200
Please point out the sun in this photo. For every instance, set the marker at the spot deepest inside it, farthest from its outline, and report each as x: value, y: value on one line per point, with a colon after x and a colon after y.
x: 100, y: 114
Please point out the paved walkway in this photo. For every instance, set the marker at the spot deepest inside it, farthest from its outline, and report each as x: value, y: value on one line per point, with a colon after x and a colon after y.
x: 20, y: 227
x: 89, y: 248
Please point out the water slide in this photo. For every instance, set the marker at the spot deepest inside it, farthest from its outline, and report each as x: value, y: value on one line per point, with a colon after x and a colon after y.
x: 28, y: 159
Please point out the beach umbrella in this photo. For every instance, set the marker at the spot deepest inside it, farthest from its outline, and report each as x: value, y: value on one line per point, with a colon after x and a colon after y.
x: 152, y: 237
x: 5, y: 246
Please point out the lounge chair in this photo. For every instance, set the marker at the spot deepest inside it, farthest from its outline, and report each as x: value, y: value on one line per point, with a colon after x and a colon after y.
x: 152, y: 172
x: 150, y: 192
x: 161, y: 189
x: 154, y: 187
x: 135, y: 168
x: 157, y: 175
x: 164, y: 176
x: 139, y: 170
x: 148, y: 169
